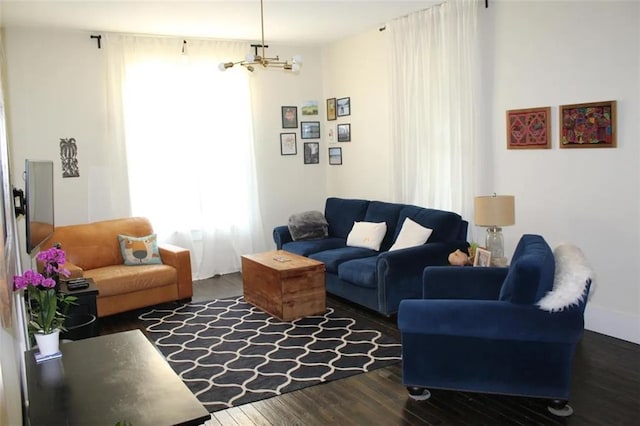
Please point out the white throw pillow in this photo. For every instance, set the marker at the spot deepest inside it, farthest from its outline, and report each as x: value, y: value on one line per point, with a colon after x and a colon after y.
x: 411, y: 235
x: 367, y: 234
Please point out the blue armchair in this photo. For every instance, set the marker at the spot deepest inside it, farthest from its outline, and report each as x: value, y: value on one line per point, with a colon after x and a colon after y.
x: 498, y: 330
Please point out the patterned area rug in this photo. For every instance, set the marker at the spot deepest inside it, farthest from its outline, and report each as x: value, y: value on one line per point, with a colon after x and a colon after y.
x: 230, y: 353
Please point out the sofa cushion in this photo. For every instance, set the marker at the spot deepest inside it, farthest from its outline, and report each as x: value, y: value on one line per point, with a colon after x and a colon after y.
x: 367, y: 235
x: 531, y: 271
x: 379, y: 211
x: 307, y: 247
x: 411, y: 235
x: 361, y: 272
x: 341, y: 213
x: 333, y: 258
x: 139, y: 250
x: 122, y: 279
x: 445, y: 225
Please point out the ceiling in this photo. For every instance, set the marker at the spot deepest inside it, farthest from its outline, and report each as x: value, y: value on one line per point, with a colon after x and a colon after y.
x: 301, y: 22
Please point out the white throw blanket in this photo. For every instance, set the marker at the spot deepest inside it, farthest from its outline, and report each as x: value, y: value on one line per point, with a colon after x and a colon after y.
x: 570, y: 281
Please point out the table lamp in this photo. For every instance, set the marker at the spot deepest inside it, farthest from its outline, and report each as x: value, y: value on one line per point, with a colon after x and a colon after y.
x: 494, y: 211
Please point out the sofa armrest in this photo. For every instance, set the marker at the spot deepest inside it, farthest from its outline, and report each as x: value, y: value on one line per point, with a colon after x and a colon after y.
x: 179, y: 258
x: 74, y: 270
x: 281, y: 235
x: 400, y: 271
x: 462, y: 282
x: 489, y: 319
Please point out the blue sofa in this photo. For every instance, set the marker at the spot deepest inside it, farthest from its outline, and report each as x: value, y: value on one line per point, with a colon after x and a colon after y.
x: 497, y: 330
x: 378, y: 280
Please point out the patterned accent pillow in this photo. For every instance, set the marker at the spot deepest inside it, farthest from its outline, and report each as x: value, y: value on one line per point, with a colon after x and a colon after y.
x: 140, y: 250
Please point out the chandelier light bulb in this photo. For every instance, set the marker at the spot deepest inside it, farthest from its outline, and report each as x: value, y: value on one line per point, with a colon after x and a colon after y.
x: 250, y: 57
x: 297, y: 59
x: 224, y: 65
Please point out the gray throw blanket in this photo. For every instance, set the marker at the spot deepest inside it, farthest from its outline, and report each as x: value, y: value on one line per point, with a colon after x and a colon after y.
x: 309, y: 225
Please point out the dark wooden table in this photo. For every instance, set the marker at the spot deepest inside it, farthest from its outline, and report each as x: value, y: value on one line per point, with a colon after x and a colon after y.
x: 103, y: 380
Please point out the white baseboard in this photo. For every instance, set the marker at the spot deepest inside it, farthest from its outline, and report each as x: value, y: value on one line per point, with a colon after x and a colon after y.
x: 615, y: 324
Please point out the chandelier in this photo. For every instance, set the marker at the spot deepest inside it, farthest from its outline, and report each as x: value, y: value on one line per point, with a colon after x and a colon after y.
x: 260, y: 58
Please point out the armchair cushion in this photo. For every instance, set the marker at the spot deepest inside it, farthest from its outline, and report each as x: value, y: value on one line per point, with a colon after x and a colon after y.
x: 531, y: 271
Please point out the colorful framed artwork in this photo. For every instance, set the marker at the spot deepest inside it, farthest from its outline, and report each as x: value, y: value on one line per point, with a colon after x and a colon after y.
x: 335, y: 156
x: 311, y: 153
x: 343, y: 106
x: 529, y: 128
x: 331, y: 109
x: 344, y: 132
x: 289, y: 117
x: 588, y: 125
x: 310, y: 129
x: 288, y: 144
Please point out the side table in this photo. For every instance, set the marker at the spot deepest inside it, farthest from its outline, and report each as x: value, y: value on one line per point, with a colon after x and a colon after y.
x: 82, y: 317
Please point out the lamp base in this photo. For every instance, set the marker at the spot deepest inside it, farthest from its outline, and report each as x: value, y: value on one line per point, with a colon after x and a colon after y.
x: 495, y: 242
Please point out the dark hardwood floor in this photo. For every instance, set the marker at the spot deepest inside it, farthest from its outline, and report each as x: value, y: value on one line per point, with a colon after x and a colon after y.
x: 605, y: 387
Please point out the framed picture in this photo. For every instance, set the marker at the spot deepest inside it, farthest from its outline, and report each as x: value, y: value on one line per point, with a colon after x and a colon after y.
x: 330, y: 131
x: 289, y: 117
x: 311, y: 153
x: 331, y: 109
x: 335, y: 156
x: 288, y: 144
x: 344, y: 132
x: 482, y: 257
x: 310, y: 108
x: 529, y: 128
x: 590, y: 125
x: 343, y: 106
x: 310, y: 129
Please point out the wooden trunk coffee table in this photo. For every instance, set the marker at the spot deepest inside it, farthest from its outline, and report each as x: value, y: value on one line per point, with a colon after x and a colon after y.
x: 284, y: 284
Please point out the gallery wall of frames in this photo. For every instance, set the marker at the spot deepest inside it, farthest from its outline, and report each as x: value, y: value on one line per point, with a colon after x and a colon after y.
x: 306, y: 125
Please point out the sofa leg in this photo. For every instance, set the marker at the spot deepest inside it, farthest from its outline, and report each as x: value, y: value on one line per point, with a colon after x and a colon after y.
x: 560, y: 408
x: 419, y: 394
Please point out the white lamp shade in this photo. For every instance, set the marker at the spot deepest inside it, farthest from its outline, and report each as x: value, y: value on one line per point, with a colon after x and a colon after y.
x: 495, y: 210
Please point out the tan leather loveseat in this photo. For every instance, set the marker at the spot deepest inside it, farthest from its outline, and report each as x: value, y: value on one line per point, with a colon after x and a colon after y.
x: 93, y: 251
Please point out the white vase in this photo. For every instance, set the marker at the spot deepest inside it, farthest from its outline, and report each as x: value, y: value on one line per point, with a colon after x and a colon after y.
x: 48, y: 344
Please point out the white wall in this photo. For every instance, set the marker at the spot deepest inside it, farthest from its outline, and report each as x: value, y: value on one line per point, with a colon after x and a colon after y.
x: 555, y: 53
x: 357, y: 68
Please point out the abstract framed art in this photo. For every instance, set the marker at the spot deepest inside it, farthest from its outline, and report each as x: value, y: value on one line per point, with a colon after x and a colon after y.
x: 529, y: 128
x: 588, y: 125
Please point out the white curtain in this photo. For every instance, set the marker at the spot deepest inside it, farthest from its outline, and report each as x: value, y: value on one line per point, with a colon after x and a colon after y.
x: 433, y: 72
x: 185, y: 130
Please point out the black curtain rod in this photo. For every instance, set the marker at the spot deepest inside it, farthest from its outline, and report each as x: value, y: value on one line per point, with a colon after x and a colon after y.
x: 98, y: 39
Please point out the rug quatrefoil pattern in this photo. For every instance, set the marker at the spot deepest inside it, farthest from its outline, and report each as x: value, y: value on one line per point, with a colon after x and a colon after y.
x: 230, y: 353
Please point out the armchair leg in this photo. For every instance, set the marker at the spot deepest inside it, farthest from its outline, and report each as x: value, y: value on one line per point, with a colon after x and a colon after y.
x: 418, y: 394
x: 560, y: 408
